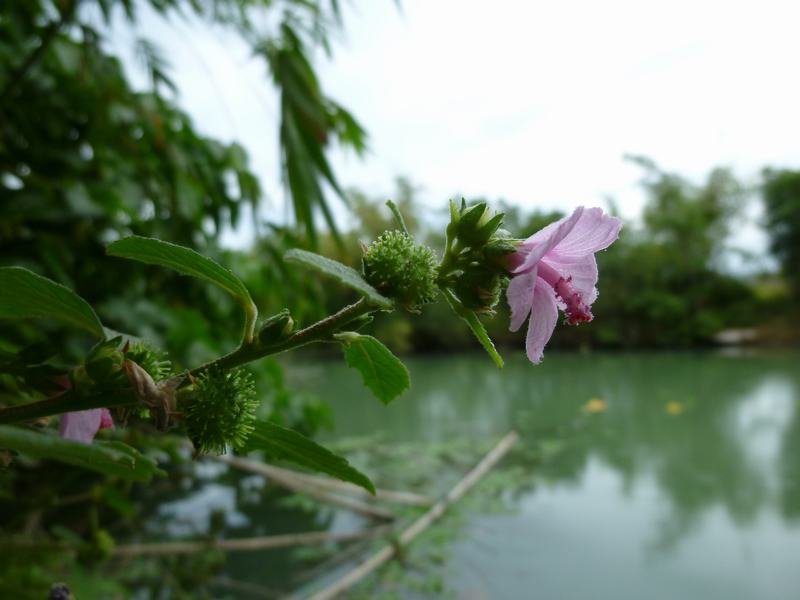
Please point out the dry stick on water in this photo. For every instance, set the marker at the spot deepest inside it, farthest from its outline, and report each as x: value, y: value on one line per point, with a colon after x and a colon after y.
x: 251, y: 590
x: 351, y: 489
x: 407, y: 536
x: 301, y: 487
x: 243, y: 544
x: 328, y: 484
x: 344, y: 556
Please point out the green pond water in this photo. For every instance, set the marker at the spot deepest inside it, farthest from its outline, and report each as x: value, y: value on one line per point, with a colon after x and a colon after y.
x: 685, y: 483
x: 686, y: 486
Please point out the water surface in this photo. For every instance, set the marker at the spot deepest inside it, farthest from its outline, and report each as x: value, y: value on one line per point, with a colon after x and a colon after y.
x: 684, y: 482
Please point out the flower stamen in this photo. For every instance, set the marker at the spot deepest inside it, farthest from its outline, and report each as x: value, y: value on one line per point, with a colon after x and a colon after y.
x: 576, y: 309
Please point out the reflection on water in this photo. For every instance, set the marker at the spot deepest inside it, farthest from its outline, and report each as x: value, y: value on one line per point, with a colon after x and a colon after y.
x: 686, y: 485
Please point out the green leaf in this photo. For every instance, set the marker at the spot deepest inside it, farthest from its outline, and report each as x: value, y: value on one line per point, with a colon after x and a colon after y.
x: 26, y: 295
x: 476, y: 326
x: 346, y: 275
x: 285, y: 444
x: 383, y: 373
x: 188, y: 262
x: 110, y: 458
x: 184, y: 260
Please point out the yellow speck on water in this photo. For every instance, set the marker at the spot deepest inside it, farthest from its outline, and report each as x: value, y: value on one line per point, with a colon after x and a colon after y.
x: 674, y: 408
x: 595, y: 405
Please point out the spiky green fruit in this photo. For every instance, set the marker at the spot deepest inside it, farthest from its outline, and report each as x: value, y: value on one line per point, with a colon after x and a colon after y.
x: 156, y: 362
x: 220, y: 411
x: 401, y: 269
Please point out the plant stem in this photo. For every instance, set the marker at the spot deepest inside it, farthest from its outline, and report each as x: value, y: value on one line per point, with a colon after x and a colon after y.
x: 319, y: 331
x: 247, y: 352
x: 250, y: 317
x: 66, y: 402
x: 398, y: 216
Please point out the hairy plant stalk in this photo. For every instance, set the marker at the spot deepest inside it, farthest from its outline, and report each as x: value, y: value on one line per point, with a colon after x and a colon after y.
x: 247, y: 352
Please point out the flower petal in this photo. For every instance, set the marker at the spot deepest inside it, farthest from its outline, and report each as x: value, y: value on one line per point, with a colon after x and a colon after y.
x: 593, y: 231
x: 106, y: 421
x: 81, y: 425
x: 544, y: 240
x: 520, y: 297
x: 580, y: 271
x: 544, y: 315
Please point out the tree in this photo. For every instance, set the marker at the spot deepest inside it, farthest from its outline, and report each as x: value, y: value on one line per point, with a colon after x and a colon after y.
x: 85, y: 158
x: 781, y: 194
x: 693, y: 218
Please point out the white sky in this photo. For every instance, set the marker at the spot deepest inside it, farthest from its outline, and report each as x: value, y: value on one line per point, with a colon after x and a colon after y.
x: 534, y: 102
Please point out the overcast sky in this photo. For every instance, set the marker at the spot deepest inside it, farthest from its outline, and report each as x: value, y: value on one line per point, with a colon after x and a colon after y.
x: 533, y: 102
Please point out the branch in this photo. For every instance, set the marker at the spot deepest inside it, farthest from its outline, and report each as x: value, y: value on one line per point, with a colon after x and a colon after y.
x: 290, y: 482
x: 253, y: 543
x: 319, y: 331
x: 66, y: 402
x: 246, y: 353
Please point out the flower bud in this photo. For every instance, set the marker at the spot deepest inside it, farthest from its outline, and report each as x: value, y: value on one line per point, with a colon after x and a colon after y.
x: 276, y: 328
x: 475, y: 267
x: 478, y: 288
x: 497, y: 250
x: 476, y: 224
x: 360, y: 322
x: 401, y: 270
x: 470, y: 217
x: 103, y: 364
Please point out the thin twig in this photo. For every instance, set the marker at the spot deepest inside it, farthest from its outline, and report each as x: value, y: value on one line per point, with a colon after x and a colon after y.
x: 293, y: 483
x: 334, y: 485
x: 407, y: 536
x: 247, y: 544
x: 251, y: 590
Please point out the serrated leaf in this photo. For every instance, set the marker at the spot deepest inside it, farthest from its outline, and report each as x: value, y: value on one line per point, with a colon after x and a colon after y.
x: 181, y: 259
x: 346, y: 275
x: 383, y: 373
x: 110, y: 458
x: 26, y: 295
x: 476, y: 326
x: 286, y: 444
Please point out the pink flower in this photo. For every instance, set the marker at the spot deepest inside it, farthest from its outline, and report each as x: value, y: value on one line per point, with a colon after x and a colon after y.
x: 83, y: 425
x: 555, y: 268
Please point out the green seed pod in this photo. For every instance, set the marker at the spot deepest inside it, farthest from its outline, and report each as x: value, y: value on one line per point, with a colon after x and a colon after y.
x: 402, y: 270
x: 276, y: 328
x: 220, y: 411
